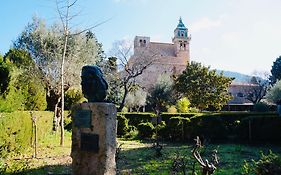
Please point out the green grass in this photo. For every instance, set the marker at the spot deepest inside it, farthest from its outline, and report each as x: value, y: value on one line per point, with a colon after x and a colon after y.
x: 136, y: 157
x: 51, y: 158
x: 140, y: 158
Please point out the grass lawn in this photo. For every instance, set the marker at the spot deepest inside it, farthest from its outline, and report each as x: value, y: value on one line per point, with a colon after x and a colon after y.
x: 136, y: 157
x: 140, y: 158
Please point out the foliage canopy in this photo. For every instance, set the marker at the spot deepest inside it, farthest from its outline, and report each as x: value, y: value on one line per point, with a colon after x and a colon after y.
x: 276, y: 71
x: 20, y: 88
x: 203, y: 87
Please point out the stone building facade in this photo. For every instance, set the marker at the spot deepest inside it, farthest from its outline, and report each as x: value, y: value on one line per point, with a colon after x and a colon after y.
x: 166, y: 58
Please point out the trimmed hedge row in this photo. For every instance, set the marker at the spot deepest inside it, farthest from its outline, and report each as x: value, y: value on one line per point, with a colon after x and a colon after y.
x: 17, y: 130
x: 222, y: 126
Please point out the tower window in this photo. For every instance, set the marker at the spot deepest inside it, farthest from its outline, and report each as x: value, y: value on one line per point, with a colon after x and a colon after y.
x: 144, y: 41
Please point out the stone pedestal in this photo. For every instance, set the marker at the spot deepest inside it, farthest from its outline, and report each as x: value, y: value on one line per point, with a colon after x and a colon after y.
x: 93, y: 139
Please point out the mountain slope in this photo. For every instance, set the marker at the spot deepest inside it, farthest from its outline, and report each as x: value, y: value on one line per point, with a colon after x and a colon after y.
x: 239, y: 77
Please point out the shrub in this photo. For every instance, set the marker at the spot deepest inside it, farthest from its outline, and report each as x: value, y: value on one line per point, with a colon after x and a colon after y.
x: 269, y: 164
x: 193, y: 110
x: 16, y: 130
x: 263, y: 128
x: 172, y: 109
x: 183, y: 105
x: 135, y: 118
x: 274, y: 93
x: 261, y: 107
x: 215, y: 126
x: 73, y: 96
x: 146, y: 130
x: 122, y: 125
x: 132, y: 133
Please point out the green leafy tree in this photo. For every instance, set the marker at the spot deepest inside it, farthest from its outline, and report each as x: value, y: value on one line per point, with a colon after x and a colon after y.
x: 5, y: 76
x: 1, y: 58
x: 20, y: 89
x: 111, y: 74
x: 161, y: 95
x: 274, y: 93
x: 73, y: 96
x: 203, y: 87
x: 275, y: 71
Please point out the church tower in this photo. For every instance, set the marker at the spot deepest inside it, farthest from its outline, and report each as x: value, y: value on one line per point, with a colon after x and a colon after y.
x: 181, y: 41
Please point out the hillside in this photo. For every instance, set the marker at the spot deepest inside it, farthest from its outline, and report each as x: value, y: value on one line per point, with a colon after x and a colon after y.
x: 239, y: 77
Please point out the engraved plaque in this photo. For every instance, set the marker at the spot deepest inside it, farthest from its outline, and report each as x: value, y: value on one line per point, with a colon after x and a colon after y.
x: 83, y: 118
x: 90, y: 142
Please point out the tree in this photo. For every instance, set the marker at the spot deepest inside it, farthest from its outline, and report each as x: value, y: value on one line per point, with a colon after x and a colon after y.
x: 20, y: 88
x: 203, y: 87
x: 130, y: 66
x: 161, y: 95
x: 276, y: 71
x: 136, y: 99
x: 47, y: 46
x: 274, y: 93
x: 258, y: 87
x: 110, y: 71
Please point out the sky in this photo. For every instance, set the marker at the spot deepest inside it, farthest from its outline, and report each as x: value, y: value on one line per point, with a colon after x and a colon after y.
x: 235, y: 35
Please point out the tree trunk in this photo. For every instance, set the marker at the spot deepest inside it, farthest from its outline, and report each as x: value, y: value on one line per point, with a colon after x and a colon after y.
x: 62, y: 87
x: 124, y: 98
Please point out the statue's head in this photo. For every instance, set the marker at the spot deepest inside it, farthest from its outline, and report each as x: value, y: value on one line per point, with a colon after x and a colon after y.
x: 93, y: 84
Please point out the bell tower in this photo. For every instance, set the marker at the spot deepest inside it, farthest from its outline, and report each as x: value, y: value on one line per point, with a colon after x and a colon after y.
x: 181, y: 41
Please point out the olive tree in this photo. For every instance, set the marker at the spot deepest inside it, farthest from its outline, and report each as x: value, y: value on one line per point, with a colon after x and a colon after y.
x: 46, y: 46
x: 136, y: 99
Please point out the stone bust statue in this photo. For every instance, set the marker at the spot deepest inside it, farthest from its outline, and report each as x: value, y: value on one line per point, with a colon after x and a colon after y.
x: 94, y: 86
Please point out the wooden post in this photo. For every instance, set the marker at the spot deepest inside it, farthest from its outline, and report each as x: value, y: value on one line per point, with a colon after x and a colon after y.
x: 34, y: 124
x: 250, y: 130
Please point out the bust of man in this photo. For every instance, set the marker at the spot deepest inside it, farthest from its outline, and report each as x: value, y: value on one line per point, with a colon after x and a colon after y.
x: 94, y: 86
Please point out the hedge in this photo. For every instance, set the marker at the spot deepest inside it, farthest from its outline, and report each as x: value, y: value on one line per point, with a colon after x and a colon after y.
x: 221, y: 126
x: 16, y: 130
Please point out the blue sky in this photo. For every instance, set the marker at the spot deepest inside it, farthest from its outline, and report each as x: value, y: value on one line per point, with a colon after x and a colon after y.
x: 235, y: 35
